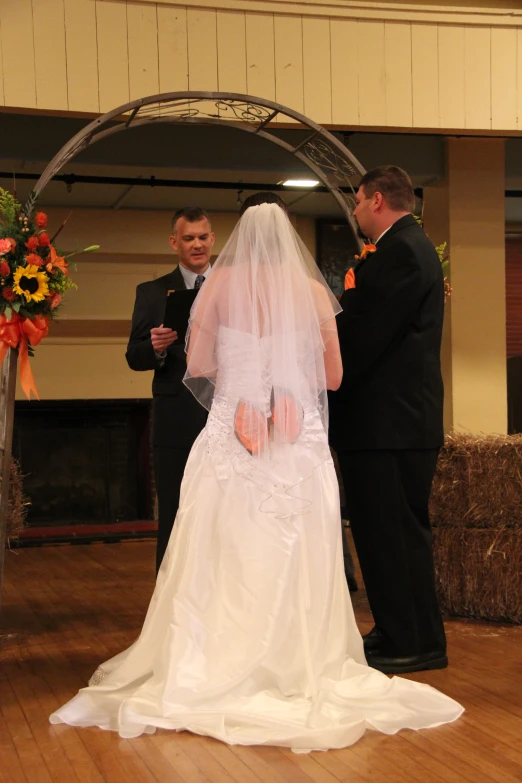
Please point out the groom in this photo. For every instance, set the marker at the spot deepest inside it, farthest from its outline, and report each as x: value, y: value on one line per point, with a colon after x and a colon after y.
x: 386, y: 421
x: 177, y: 418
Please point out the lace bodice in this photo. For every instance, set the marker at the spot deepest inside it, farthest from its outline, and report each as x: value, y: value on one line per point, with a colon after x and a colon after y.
x: 248, y: 370
x: 250, y: 367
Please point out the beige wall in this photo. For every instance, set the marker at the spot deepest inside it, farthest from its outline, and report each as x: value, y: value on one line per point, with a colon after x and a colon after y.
x: 84, y: 355
x: 416, y: 65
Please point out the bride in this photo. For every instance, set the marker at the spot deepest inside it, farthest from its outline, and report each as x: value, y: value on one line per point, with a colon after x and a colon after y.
x: 250, y: 635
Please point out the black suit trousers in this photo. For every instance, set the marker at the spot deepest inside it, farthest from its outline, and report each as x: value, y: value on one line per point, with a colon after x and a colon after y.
x: 169, y: 467
x: 177, y: 420
x: 387, y: 495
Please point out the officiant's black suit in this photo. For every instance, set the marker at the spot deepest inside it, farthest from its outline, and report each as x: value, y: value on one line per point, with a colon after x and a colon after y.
x: 386, y: 426
x: 177, y: 419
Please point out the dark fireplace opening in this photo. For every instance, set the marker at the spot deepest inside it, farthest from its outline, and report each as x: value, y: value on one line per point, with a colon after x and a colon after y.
x: 85, y: 461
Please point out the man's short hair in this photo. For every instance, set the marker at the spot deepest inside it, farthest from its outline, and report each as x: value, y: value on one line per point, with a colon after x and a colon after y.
x: 265, y: 197
x: 395, y: 185
x: 192, y: 214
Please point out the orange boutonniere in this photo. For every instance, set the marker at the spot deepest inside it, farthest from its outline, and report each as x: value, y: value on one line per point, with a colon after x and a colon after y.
x: 349, y: 280
x: 364, y: 252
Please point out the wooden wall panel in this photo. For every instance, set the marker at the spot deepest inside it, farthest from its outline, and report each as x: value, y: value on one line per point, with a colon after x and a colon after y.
x: 398, y: 74
x: 172, y: 49
x: 142, y: 37
x: 477, y: 77
x: 317, y: 79
x: 49, y: 54
x: 202, y: 49
x: 345, y: 76
x: 519, y: 78
x: 425, y: 75
x: 371, y: 73
x: 451, y: 77
x: 231, y: 48
x: 113, y: 55
x: 504, y: 79
x: 17, y: 37
x: 94, y: 55
x: 260, y: 54
x: 288, y: 40
x: 81, y: 51
x: 2, y: 97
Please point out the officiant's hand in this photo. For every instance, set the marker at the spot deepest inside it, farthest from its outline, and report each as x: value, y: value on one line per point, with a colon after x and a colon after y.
x: 162, y: 337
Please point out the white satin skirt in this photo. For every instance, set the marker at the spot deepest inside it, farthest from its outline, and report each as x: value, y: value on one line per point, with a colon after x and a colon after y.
x: 250, y: 635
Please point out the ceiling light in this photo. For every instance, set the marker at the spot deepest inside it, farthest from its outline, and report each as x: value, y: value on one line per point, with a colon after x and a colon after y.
x: 300, y: 183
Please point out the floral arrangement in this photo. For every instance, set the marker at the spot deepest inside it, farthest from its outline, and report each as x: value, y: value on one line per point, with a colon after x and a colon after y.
x: 443, y: 258
x: 33, y: 279
x: 444, y: 261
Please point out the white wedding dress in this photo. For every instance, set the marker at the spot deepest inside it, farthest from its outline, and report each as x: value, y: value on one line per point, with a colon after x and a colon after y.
x: 250, y: 635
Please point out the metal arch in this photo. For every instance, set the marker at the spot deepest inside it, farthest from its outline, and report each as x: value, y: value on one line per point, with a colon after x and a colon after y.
x: 321, y: 152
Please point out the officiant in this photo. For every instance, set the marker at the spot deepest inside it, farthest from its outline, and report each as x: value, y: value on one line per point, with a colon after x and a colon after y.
x: 177, y: 418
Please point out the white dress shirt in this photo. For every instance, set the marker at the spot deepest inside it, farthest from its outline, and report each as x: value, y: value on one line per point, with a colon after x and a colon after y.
x: 190, y: 277
x: 383, y: 233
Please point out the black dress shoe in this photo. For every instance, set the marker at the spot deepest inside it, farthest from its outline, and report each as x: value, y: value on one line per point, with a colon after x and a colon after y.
x: 389, y: 664
x: 373, y: 640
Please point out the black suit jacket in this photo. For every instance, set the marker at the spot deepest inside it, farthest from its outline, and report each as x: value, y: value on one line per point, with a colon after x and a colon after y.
x: 176, y: 423
x: 390, y: 331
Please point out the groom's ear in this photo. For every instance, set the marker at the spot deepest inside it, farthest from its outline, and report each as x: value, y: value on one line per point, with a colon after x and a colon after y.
x: 378, y: 201
x: 173, y: 242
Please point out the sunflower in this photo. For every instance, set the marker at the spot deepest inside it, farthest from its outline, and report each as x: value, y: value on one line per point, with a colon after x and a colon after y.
x: 30, y: 282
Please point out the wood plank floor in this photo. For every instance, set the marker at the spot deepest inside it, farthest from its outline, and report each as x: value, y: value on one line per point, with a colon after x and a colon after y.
x: 67, y: 608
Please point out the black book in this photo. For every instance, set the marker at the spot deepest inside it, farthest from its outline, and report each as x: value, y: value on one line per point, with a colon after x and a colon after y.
x: 177, y: 311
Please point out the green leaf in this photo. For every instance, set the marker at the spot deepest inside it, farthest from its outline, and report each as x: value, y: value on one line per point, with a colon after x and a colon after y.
x: 445, y: 264
x: 16, y: 306
x: 8, y: 313
x: 90, y: 249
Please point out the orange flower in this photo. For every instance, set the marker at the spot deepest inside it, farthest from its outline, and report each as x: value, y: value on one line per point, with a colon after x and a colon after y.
x: 41, y: 219
x: 5, y: 246
x: 32, y: 244
x: 8, y: 294
x: 56, y: 262
x: 34, y: 259
x: 43, y: 240
x: 364, y: 252
x: 5, y: 269
x: 55, y: 300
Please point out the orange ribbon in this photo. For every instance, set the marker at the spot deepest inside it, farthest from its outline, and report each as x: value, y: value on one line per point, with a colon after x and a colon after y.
x: 18, y: 332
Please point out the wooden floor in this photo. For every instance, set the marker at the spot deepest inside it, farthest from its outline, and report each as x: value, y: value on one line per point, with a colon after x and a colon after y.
x: 67, y: 608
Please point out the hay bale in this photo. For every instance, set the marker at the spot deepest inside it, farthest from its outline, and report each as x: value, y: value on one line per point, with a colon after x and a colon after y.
x: 16, y: 505
x: 476, y: 512
x: 478, y: 572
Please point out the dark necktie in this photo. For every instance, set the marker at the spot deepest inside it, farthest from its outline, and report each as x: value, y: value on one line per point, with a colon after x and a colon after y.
x: 200, y: 279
